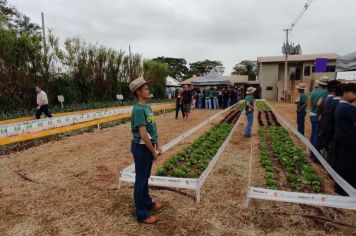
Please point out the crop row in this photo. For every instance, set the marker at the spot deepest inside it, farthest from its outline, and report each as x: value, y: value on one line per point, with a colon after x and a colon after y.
x: 262, y: 106
x: 276, y: 143
x: 193, y: 160
x: 266, y: 159
x: 300, y: 176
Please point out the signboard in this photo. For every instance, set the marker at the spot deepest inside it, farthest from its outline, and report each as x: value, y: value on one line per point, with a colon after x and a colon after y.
x: 321, y: 65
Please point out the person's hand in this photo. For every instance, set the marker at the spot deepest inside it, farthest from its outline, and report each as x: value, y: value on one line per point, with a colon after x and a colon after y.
x: 159, y: 149
x: 155, y: 156
x: 38, y: 107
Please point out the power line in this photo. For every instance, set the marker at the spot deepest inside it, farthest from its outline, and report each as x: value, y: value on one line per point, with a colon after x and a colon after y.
x: 300, y: 15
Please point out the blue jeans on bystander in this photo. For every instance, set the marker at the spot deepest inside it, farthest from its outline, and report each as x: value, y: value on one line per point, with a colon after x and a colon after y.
x: 314, y: 138
x: 143, y: 164
x: 249, y: 124
x: 301, y: 121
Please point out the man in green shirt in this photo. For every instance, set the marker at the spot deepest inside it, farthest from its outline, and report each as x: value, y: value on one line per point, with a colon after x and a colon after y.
x: 302, y: 102
x: 145, y: 150
x: 316, y: 102
x: 249, y: 108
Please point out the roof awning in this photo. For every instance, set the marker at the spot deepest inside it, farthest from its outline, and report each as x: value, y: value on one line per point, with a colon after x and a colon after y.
x: 171, y: 82
x: 211, y: 79
x: 346, y: 63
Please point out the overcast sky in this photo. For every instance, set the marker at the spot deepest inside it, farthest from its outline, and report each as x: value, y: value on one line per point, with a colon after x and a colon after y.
x: 228, y: 31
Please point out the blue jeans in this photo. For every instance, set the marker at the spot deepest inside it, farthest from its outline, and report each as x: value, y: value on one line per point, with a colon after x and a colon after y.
x: 143, y: 164
x: 314, y: 138
x: 248, y: 128
x: 199, y: 103
x: 207, y: 103
x: 215, y: 103
x: 301, y: 121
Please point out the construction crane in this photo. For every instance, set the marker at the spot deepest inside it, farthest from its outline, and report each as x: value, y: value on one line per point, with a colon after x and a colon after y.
x: 289, y: 48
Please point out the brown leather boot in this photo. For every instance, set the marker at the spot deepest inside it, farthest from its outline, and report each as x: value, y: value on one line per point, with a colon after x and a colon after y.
x: 150, y: 220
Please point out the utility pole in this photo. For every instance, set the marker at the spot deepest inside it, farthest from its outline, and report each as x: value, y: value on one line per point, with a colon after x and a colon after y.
x: 130, y: 65
x: 44, y: 34
x: 287, y: 51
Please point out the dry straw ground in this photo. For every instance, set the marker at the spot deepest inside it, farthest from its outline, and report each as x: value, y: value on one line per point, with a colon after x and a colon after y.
x: 76, y: 191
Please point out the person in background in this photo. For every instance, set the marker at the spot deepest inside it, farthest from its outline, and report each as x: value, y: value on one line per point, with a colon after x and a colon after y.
x: 199, y: 99
x: 302, y: 103
x: 145, y: 150
x: 220, y: 98
x: 211, y: 101
x: 194, y: 98
x: 239, y: 94
x: 215, y: 96
x: 316, y: 102
x: 179, y: 103
x: 187, y: 99
x: 203, y: 99
x: 207, y: 98
x: 327, y: 119
x: 226, y: 97
x: 42, y: 103
x: 233, y: 96
x: 345, y: 137
x: 249, y: 108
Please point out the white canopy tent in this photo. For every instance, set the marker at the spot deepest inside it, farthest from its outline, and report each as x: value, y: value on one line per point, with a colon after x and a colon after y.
x: 346, y: 62
x: 171, y: 86
x: 211, y: 79
x: 172, y: 82
x: 346, y: 67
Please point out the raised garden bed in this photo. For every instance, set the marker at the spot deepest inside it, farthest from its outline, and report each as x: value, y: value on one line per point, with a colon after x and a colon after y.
x: 282, y: 160
x: 189, y: 168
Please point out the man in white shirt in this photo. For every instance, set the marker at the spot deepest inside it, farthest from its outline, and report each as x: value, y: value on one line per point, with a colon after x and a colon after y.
x: 42, y: 103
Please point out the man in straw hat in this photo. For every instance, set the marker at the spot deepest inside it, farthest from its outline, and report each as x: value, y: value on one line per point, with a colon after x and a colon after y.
x: 302, y: 103
x: 145, y: 150
x: 249, y: 108
x: 316, y: 102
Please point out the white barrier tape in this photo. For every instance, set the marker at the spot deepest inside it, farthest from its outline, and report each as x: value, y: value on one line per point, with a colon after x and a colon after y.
x: 56, y: 122
x: 303, y: 198
x: 351, y: 191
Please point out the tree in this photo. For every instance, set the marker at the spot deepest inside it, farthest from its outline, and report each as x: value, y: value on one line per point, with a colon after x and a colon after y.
x: 177, y: 66
x: 245, y: 67
x: 155, y: 74
x: 200, y: 68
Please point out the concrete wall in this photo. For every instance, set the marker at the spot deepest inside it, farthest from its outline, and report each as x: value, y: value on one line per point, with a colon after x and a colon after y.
x: 268, y: 77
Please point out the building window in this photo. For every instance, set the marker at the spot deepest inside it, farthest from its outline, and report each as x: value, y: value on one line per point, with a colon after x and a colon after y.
x: 313, y: 69
x: 307, y: 71
x: 269, y: 88
x: 330, y: 68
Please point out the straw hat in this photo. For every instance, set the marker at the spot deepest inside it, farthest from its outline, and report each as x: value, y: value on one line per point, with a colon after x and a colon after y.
x: 215, y: 87
x: 323, y: 80
x: 136, y: 84
x: 250, y: 90
x: 301, y: 86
